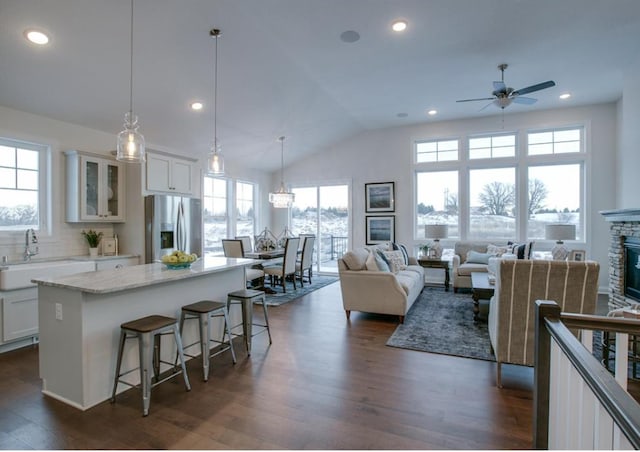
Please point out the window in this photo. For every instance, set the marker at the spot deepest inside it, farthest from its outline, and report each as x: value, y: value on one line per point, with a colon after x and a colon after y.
x: 214, y: 214
x: 436, y: 151
x: 23, y: 179
x: 554, y: 197
x: 493, y: 146
x: 554, y: 142
x: 437, y: 200
x: 492, y: 203
x: 505, y: 193
x: 245, y: 209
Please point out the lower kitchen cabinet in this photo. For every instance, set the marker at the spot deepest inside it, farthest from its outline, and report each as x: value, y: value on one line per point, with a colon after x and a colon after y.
x: 19, y: 314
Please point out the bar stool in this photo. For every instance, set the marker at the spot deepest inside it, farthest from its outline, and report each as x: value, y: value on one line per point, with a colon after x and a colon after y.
x: 148, y: 331
x: 203, y: 311
x: 245, y: 298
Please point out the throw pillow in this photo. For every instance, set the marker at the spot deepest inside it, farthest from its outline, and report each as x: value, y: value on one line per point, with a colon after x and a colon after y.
x: 403, y: 249
x: 521, y: 250
x: 396, y: 260
x: 376, y: 263
x: 496, y: 250
x: 474, y: 257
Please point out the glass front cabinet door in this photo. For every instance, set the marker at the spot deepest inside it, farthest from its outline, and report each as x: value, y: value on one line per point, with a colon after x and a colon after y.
x: 95, y: 188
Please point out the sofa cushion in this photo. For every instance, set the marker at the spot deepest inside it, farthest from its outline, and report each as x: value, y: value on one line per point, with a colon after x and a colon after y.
x: 406, y: 279
x: 473, y: 257
x: 466, y: 269
x: 403, y: 250
x: 463, y: 248
x: 396, y: 260
x: 356, y: 259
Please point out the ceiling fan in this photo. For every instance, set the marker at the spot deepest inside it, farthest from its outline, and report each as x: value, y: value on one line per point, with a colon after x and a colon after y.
x: 503, y: 95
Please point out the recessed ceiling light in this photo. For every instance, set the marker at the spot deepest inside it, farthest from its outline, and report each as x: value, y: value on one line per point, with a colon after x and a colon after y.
x: 565, y: 96
x: 197, y: 106
x: 432, y: 112
x: 37, y: 37
x: 399, y: 25
x: 402, y: 115
x: 349, y: 36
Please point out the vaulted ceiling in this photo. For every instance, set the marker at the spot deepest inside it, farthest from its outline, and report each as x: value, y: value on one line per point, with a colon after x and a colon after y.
x: 283, y: 68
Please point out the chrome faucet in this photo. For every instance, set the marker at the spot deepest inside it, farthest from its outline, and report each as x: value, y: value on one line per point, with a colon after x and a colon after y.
x: 29, y: 239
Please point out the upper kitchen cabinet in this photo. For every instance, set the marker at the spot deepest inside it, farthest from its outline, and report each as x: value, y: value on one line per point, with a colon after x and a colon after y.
x: 95, y: 188
x: 169, y: 174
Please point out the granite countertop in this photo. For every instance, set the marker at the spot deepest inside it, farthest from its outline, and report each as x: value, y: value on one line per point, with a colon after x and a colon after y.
x: 115, y: 280
x: 102, y: 258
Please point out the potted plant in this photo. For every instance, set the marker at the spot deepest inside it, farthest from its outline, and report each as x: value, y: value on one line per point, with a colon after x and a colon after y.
x: 424, y: 249
x: 93, y: 239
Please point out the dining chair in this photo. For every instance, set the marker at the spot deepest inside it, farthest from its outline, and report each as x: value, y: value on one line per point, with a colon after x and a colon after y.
x: 246, y: 243
x: 306, y: 259
x: 288, y: 267
x: 234, y: 248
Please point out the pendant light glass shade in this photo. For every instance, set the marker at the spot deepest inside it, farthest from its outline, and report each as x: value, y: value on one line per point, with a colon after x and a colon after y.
x: 130, y: 146
x: 282, y: 199
x: 215, y: 164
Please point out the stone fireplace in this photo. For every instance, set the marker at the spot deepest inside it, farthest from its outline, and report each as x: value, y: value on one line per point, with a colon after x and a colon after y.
x: 624, y: 254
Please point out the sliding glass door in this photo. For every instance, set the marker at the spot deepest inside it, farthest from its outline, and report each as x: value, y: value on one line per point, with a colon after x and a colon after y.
x: 323, y: 211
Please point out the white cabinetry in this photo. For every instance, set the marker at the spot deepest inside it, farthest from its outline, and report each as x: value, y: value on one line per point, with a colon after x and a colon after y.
x: 116, y: 262
x: 19, y: 314
x: 95, y: 188
x: 169, y: 174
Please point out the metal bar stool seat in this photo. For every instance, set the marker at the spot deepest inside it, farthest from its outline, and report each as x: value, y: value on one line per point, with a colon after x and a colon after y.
x: 245, y: 298
x: 148, y: 331
x: 203, y: 311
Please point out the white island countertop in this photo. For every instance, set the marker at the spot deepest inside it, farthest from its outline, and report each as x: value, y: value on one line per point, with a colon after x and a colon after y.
x: 115, y: 280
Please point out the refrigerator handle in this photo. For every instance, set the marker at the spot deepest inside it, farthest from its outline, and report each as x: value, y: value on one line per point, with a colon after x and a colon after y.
x: 181, y: 228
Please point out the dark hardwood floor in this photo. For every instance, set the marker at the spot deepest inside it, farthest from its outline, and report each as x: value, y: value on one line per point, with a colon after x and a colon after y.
x: 325, y: 383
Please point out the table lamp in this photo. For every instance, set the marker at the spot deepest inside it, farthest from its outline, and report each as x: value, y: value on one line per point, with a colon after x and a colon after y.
x: 436, y: 232
x: 560, y: 232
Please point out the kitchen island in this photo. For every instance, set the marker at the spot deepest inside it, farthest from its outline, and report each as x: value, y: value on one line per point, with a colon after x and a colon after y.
x: 80, y: 317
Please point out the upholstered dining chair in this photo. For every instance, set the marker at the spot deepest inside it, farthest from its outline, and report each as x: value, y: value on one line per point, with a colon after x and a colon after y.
x: 288, y: 267
x: 246, y: 243
x: 234, y: 248
x: 306, y: 259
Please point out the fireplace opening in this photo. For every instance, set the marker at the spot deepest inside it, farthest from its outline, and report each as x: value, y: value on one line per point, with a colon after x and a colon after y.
x: 632, y: 268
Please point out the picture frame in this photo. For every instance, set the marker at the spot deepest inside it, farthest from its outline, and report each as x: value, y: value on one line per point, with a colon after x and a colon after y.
x: 379, y: 197
x: 380, y: 229
x: 578, y: 255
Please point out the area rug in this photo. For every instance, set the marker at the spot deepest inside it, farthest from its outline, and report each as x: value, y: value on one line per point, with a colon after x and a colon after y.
x: 278, y: 298
x: 442, y: 322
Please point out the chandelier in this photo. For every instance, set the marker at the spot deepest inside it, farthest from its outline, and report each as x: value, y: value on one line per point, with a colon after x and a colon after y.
x: 282, y: 199
x: 215, y: 166
x: 130, y: 143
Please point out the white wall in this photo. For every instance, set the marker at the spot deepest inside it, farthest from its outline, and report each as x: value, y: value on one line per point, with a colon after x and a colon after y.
x: 628, y: 167
x: 386, y: 155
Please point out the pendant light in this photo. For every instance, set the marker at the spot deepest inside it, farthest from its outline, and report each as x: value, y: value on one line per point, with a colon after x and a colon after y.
x: 215, y: 166
x: 130, y: 145
x: 281, y: 199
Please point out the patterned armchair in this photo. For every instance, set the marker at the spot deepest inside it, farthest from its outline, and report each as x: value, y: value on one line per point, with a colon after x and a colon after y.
x: 519, y: 283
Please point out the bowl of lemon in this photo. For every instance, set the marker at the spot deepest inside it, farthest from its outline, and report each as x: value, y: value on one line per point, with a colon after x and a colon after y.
x: 178, y: 260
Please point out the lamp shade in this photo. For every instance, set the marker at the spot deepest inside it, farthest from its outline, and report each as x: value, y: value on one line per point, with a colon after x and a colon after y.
x: 560, y: 232
x: 436, y: 231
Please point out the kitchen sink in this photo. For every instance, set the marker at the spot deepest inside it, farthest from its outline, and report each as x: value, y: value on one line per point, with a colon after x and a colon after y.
x: 18, y: 276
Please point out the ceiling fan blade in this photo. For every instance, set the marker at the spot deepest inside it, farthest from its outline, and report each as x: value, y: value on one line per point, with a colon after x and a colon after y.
x: 524, y: 100
x: 532, y: 88
x: 473, y: 100
x: 499, y: 87
x: 485, y: 106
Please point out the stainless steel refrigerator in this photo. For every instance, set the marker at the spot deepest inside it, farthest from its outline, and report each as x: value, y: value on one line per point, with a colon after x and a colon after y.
x: 172, y: 223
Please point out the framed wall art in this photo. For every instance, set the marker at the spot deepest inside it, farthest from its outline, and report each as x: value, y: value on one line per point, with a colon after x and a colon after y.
x: 578, y: 255
x: 381, y: 229
x: 380, y: 197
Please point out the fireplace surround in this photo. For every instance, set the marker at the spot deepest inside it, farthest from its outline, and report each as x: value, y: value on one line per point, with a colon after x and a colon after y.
x: 624, y: 251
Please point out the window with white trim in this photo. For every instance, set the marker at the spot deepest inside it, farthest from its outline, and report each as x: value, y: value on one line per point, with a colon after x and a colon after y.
x: 214, y: 214
x: 23, y: 180
x: 437, y: 151
x: 492, y: 146
x: 245, y: 209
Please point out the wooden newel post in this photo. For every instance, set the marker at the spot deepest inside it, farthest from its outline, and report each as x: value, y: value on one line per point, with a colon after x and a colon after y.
x: 545, y: 309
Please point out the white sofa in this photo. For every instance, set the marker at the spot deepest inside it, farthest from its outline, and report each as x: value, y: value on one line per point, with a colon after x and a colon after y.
x: 381, y: 292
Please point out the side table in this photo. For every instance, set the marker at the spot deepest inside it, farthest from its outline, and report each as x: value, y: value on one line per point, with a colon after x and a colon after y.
x: 437, y: 263
x: 482, y: 289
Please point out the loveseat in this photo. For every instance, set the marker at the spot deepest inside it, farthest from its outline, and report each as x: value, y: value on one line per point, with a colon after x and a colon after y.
x: 519, y: 283
x: 367, y: 288
x: 469, y: 257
